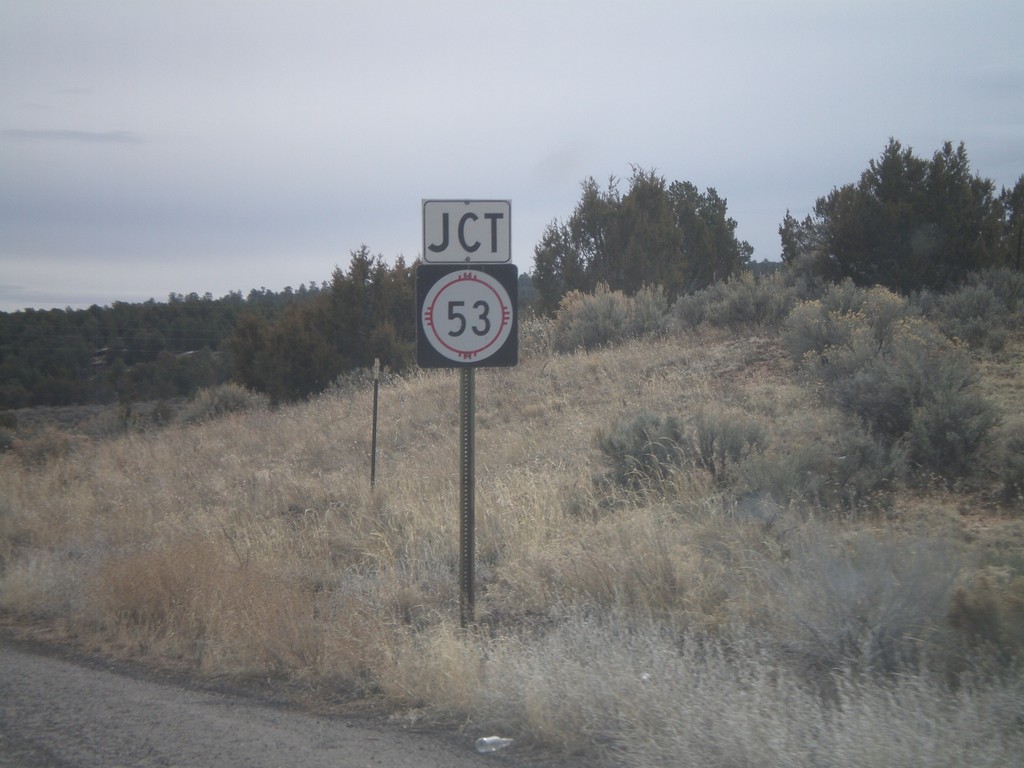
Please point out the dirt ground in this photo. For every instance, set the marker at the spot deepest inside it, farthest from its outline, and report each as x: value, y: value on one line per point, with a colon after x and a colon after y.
x: 60, y: 710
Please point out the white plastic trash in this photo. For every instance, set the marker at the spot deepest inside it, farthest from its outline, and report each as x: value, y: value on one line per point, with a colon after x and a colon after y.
x: 487, y: 744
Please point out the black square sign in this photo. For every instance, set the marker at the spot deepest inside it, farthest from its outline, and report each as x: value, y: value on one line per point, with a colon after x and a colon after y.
x: 467, y: 315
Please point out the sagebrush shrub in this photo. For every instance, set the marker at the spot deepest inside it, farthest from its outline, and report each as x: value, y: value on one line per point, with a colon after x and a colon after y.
x: 744, y: 302
x: 989, y: 611
x: 724, y: 437
x: 691, y: 310
x: 981, y: 312
x: 588, y: 321
x: 750, y: 302
x: 973, y: 314
x: 949, y: 431
x: 844, y: 310
x: 644, y: 448
x: 1010, y: 462
x: 648, y: 311
x: 649, y: 447
x: 217, y: 401
x: 810, y: 328
x: 839, y: 474
x: 799, y: 475
x: 875, y: 604
x: 1007, y: 285
x: 896, y: 373
x: 883, y: 385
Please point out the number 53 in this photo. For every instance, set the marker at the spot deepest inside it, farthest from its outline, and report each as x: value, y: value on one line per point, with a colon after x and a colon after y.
x: 482, y: 307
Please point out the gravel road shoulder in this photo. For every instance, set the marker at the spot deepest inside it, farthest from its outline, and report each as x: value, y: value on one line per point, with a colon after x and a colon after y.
x: 60, y: 709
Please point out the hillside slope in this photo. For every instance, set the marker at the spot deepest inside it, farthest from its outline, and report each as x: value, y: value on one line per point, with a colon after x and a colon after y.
x: 750, y: 594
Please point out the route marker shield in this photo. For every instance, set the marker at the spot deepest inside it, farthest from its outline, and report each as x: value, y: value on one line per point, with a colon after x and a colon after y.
x: 467, y: 315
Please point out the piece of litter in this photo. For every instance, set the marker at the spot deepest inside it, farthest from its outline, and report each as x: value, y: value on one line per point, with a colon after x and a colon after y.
x: 486, y: 744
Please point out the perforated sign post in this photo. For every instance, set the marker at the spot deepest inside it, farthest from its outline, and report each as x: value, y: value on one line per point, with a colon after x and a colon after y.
x: 467, y: 317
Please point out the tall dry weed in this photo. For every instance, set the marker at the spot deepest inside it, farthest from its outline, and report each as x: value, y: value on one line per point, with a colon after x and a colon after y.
x: 621, y: 692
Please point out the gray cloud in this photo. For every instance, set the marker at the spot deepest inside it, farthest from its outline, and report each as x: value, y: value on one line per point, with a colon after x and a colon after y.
x: 84, y: 137
x: 258, y: 144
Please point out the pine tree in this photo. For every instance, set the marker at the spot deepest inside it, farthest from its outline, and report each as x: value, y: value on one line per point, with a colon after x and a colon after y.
x: 909, y: 223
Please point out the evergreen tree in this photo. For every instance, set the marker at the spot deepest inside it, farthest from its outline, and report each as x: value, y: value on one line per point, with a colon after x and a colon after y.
x: 708, y: 235
x: 246, y: 348
x: 1013, y: 232
x: 366, y: 312
x: 300, y: 357
x: 656, y: 234
x: 909, y: 223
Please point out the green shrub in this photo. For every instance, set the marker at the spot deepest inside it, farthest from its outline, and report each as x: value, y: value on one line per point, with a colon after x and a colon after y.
x: 897, y: 374
x: 648, y: 312
x: 841, y: 475
x: 989, y: 611
x: 1010, y: 464
x: 644, y: 449
x: 744, y: 302
x: 831, y: 322
x: 973, y: 314
x: 1006, y: 284
x: 726, y: 437
x: 588, y: 321
x: 749, y: 302
x: 691, y: 310
x: 949, y: 431
x: 217, y: 401
x: 869, y: 603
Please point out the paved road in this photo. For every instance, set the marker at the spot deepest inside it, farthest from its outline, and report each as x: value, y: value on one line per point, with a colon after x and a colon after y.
x: 56, y: 713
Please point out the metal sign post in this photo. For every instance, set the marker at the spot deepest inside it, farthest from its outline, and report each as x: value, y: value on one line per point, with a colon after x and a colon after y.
x: 467, y: 498
x: 467, y: 317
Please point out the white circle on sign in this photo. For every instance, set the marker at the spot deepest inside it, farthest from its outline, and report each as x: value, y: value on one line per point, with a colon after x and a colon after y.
x: 467, y: 316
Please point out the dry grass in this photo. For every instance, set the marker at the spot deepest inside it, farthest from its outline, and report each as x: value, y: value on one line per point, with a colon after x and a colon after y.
x: 615, y: 623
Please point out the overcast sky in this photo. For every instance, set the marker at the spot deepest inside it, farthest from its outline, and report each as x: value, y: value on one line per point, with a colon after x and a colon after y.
x: 150, y: 147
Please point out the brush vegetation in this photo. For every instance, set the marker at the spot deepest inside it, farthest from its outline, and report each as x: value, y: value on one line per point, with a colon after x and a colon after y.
x: 705, y: 536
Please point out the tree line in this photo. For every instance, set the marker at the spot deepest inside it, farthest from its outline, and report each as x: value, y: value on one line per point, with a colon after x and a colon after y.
x: 909, y: 223
x: 127, y: 351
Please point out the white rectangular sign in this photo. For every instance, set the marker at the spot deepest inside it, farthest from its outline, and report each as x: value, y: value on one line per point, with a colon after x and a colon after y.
x: 467, y: 231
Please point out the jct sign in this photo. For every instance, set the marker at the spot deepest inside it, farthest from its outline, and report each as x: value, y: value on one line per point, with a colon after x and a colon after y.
x: 467, y: 231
